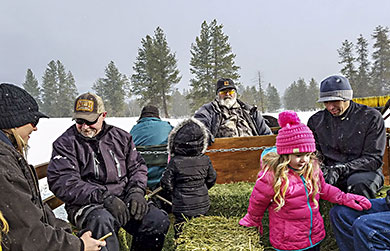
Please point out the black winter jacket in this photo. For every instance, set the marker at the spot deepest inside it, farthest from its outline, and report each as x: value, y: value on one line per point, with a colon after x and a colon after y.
x: 190, y: 173
x: 357, y: 138
x: 33, y: 225
x: 210, y: 115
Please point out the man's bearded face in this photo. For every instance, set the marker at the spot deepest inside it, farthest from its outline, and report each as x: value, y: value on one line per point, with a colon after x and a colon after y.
x: 227, y: 97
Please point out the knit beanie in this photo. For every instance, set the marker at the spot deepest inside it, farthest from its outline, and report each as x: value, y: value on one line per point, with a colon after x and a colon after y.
x: 149, y: 111
x: 335, y: 88
x: 293, y: 137
x: 17, y: 107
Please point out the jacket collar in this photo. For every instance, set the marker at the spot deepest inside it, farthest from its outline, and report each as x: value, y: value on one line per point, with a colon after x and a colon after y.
x: 4, y: 138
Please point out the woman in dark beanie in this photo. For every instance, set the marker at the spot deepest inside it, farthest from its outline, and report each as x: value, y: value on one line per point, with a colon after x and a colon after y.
x: 32, y: 224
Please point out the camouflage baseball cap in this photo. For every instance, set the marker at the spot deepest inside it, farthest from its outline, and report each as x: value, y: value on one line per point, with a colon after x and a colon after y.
x: 88, y: 106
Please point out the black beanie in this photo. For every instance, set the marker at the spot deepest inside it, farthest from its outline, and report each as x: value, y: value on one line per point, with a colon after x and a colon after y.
x: 149, y: 111
x: 17, y: 107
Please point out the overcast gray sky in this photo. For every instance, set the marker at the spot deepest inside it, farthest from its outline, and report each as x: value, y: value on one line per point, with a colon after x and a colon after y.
x: 284, y: 40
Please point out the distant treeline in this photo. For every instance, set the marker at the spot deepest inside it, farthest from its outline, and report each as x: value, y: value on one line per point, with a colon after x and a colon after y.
x: 155, y: 75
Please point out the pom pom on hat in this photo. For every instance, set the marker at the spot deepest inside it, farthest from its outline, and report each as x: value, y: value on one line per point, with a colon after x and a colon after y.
x: 288, y: 117
x: 293, y: 137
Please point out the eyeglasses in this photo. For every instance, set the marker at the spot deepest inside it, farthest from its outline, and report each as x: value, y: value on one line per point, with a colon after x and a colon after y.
x: 35, y: 122
x: 230, y: 92
x: 88, y: 123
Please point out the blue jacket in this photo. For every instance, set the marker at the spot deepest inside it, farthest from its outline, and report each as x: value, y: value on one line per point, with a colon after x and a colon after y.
x: 150, y: 131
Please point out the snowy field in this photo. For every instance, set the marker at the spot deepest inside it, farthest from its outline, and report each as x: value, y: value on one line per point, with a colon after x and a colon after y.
x: 49, y: 129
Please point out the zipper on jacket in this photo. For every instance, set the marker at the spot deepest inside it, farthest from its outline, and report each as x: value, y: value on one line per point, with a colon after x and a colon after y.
x: 96, y: 165
x: 311, y: 211
x: 117, y: 164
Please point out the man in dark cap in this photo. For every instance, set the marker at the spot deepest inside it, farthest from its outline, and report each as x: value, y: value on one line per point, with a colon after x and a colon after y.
x: 227, y: 116
x: 350, y: 139
x: 33, y: 225
x: 150, y: 130
x: 96, y: 170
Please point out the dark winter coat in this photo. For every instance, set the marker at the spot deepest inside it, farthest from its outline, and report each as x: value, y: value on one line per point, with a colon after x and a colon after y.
x: 84, y: 171
x: 190, y: 173
x: 210, y: 115
x: 357, y: 138
x: 33, y: 225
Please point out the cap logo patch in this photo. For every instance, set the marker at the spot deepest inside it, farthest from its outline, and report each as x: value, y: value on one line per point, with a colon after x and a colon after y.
x: 296, y: 150
x: 84, y: 105
x: 226, y: 83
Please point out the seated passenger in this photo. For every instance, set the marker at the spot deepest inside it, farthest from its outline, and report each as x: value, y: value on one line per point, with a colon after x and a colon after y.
x: 96, y: 170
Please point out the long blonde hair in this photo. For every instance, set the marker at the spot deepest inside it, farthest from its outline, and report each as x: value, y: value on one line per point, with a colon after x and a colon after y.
x: 17, y: 141
x: 278, y: 166
x: 4, y: 225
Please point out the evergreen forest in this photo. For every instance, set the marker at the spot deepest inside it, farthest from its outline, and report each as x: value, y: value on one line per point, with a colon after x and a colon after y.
x: 365, y: 62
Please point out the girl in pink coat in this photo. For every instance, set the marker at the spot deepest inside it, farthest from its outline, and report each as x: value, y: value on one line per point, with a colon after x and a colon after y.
x: 290, y: 185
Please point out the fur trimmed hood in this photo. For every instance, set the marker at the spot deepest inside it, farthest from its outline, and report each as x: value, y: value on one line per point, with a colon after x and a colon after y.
x: 189, y: 138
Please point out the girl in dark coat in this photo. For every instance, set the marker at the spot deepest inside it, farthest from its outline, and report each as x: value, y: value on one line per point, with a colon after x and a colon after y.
x: 190, y: 173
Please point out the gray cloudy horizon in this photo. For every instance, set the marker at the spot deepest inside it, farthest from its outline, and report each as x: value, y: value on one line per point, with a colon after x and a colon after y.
x: 284, y: 40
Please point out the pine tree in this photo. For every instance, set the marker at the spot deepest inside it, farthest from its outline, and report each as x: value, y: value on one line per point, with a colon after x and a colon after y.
x: 347, y: 60
x: 112, y: 90
x: 50, y: 90
x: 58, y: 90
x: 67, y: 92
x: 203, y: 82
x: 212, y: 58
x: 303, y: 100
x: 179, y: 106
x: 362, y: 80
x: 155, y: 71
x: 380, y: 74
x: 291, y: 97
x: 312, y: 95
x: 31, y: 85
x: 273, y: 98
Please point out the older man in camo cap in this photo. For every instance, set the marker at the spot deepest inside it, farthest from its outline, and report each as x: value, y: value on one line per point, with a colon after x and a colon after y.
x: 227, y: 116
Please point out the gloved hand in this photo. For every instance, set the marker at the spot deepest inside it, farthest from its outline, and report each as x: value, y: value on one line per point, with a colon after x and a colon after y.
x: 356, y: 202
x: 138, y: 205
x: 247, y: 221
x: 333, y: 173
x: 117, y: 208
x: 388, y: 198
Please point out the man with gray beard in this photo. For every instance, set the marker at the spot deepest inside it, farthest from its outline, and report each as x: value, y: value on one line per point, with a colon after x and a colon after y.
x: 227, y: 116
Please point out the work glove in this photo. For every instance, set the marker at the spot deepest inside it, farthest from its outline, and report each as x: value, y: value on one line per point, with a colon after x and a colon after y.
x: 333, y: 173
x: 247, y: 221
x: 117, y: 208
x: 356, y: 202
x: 388, y: 199
x: 138, y: 205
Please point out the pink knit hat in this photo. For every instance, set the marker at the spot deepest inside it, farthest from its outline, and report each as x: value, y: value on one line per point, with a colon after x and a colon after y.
x: 293, y: 137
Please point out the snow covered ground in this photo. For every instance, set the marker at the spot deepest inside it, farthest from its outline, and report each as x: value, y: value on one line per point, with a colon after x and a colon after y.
x: 49, y: 129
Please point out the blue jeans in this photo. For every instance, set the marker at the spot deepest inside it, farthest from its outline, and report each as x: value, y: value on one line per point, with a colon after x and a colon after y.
x: 362, y: 230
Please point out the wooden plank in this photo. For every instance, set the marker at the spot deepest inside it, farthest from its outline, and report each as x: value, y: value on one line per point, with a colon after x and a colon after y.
x: 239, y: 165
x: 245, y: 165
x: 53, y: 202
x: 41, y: 170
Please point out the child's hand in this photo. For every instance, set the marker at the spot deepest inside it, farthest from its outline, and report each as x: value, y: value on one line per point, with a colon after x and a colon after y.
x: 356, y: 202
x: 247, y: 221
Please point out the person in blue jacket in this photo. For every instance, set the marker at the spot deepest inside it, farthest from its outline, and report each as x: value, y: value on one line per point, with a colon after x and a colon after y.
x: 151, y: 130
